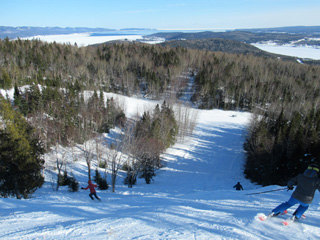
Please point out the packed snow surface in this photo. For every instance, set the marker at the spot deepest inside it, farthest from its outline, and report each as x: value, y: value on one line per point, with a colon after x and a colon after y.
x: 191, y: 197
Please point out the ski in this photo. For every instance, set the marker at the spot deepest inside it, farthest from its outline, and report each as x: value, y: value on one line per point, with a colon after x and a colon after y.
x: 288, y: 221
x: 291, y: 220
x: 264, y: 217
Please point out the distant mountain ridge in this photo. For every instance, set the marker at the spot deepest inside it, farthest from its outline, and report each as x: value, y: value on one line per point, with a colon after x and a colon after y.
x: 224, y: 45
x: 280, y: 34
x: 242, y: 36
x: 15, y: 32
x: 302, y: 30
x: 215, y: 44
x: 236, y: 41
x: 293, y: 36
x: 21, y: 32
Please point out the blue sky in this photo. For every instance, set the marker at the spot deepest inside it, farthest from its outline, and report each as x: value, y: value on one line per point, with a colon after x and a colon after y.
x: 160, y: 14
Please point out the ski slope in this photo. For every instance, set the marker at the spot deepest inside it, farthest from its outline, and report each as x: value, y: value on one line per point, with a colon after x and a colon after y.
x: 191, y: 197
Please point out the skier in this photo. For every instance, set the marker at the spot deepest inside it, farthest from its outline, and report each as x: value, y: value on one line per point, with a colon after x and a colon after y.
x: 307, y: 183
x: 92, y: 187
x: 238, y: 186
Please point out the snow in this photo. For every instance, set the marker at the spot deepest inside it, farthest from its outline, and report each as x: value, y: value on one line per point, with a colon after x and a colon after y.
x: 191, y: 197
x: 7, y: 93
x: 290, y: 50
x: 10, y: 92
x: 83, y: 39
x: 86, y: 39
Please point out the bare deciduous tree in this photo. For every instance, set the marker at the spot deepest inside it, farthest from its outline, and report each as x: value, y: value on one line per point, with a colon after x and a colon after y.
x: 88, y: 149
x: 60, y: 162
x: 115, y: 158
x: 186, y: 118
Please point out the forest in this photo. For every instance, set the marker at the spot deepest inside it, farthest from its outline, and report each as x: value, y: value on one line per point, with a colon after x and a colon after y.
x: 282, y: 95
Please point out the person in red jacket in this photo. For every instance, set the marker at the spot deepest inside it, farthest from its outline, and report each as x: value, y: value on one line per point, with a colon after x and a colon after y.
x: 92, y: 187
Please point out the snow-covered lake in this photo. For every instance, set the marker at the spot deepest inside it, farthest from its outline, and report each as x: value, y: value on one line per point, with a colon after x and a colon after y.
x: 83, y: 39
x: 290, y: 50
x: 191, y: 197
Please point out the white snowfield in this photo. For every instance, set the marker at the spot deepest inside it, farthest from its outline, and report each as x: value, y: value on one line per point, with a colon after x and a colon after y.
x: 308, y: 52
x: 191, y: 197
x: 84, y: 39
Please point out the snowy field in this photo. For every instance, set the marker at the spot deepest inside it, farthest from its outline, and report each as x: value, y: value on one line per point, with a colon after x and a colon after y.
x: 191, y: 197
x: 83, y: 39
x: 290, y: 50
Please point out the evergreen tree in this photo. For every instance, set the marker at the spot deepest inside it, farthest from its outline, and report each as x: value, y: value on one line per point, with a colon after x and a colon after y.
x: 102, y: 182
x: 143, y: 127
x: 73, y: 185
x: 64, y: 180
x: 19, y: 101
x: 131, y: 178
x: 34, y: 98
x: 5, y: 80
x: 17, y: 97
x: 279, y: 149
x: 20, y: 155
x: 148, y: 170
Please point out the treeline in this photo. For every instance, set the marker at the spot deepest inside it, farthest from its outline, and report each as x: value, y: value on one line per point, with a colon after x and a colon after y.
x: 228, y: 81
x: 249, y: 83
x: 279, y: 148
x: 121, y: 67
x: 65, y: 116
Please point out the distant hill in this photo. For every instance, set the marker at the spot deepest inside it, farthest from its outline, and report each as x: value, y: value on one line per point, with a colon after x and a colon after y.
x: 243, y: 36
x: 21, y: 32
x: 299, y: 35
x: 301, y: 30
x: 239, y: 41
x: 225, y: 45
x: 218, y: 44
x: 15, y: 32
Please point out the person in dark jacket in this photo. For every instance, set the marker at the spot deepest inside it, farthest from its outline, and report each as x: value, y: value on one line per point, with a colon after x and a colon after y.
x: 238, y: 186
x: 92, y: 187
x: 307, y: 183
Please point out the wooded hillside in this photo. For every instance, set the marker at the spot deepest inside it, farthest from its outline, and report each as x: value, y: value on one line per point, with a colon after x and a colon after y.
x: 270, y: 87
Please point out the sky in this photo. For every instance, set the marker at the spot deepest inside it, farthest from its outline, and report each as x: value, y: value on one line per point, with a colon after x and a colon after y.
x: 160, y: 14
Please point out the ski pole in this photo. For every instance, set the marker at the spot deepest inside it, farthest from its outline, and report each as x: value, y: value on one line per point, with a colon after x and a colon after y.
x: 267, y: 191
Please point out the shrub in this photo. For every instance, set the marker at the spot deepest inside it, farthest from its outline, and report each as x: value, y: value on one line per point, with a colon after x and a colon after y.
x: 73, y: 184
x: 101, y: 182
